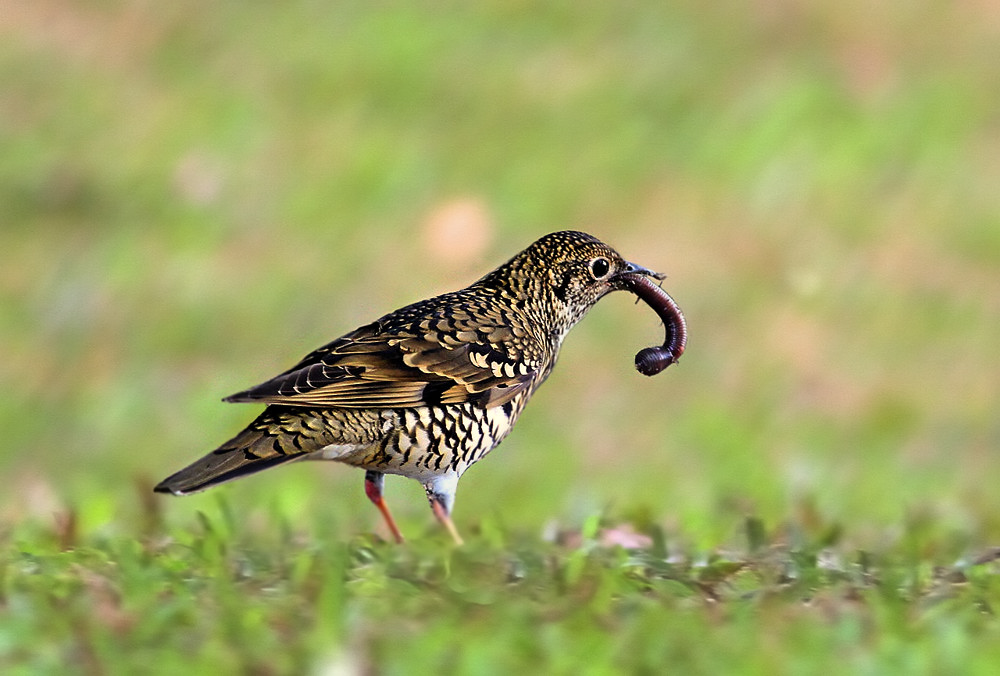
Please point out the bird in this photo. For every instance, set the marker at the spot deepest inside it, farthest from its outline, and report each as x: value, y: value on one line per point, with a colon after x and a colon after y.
x: 428, y: 390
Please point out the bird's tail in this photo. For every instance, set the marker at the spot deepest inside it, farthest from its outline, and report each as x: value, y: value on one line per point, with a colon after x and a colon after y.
x: 275, y: 437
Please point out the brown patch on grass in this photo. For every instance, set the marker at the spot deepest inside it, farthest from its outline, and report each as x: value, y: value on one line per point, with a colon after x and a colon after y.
x: 118, y: 37
x: 804, y: 346
x: 457, y: 232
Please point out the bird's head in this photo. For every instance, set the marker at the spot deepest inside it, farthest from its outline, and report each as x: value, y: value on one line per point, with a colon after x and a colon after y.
x: 566, y: 273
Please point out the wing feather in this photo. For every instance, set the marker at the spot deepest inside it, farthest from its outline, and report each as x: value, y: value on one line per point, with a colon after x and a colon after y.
x: 375, y: 368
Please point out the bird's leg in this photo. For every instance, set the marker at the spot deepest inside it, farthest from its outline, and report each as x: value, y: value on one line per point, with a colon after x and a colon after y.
x: 374, y: 481
x: 441, y: 495
x: 442, y: 516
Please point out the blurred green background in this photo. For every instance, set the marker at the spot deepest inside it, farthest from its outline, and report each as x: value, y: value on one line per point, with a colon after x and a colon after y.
x: 194, y: 195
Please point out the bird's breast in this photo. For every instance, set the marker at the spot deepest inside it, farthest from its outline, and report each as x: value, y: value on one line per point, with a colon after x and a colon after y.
x: 429, y: 441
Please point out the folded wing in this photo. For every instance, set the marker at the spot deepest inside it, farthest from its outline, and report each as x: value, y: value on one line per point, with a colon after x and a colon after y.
x: 411, y: 366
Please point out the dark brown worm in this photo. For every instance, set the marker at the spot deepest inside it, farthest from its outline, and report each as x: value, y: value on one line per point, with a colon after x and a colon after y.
x: 651, y: 360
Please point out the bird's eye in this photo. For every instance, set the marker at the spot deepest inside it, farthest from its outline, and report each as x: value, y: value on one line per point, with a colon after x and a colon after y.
x: 600, y: 267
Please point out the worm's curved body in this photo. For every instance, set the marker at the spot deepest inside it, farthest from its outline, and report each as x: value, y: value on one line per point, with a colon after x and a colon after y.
x: 651, y: 360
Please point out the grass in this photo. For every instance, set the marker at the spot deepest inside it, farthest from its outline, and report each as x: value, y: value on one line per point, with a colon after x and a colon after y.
x: 272, y: 597
x: 193, y: 197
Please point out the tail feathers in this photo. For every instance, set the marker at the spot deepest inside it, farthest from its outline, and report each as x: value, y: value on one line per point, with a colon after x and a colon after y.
x: 216, y: 468
x: 254, y: 449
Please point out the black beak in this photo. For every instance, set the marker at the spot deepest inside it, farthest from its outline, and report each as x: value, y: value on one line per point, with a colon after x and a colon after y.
x: 632, y: 268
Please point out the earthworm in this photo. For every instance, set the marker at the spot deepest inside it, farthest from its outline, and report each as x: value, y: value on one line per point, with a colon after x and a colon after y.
x: 651, y: 360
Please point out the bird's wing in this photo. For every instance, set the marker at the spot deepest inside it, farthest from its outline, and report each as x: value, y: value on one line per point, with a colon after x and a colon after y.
x: 416, y: 365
